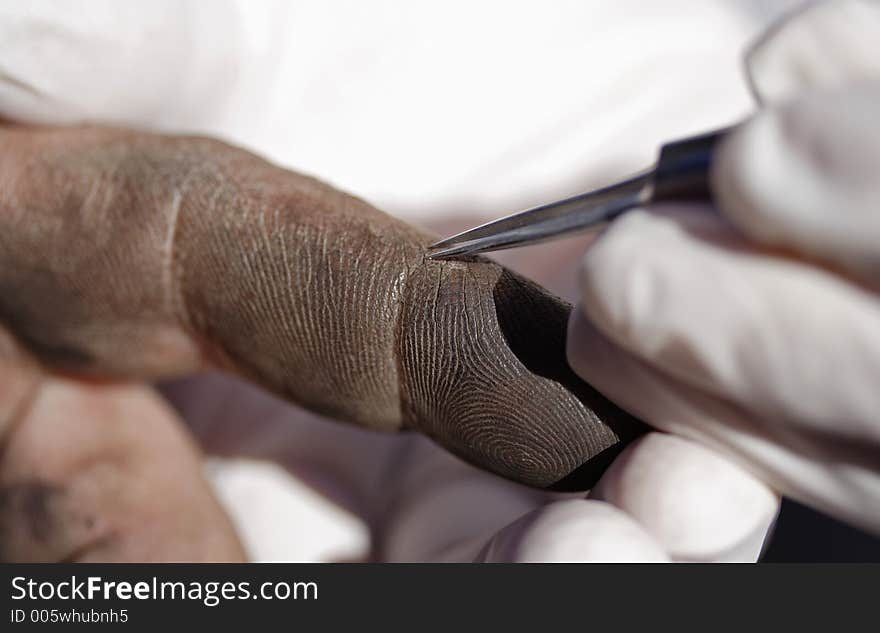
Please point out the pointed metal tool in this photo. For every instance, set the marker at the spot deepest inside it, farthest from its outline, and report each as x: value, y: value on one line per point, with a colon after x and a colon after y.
x: 681, y: 173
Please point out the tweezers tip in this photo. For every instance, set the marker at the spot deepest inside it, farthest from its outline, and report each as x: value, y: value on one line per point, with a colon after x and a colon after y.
x: 450, y: 252
x: 445, y: 242
x: 441, y: 255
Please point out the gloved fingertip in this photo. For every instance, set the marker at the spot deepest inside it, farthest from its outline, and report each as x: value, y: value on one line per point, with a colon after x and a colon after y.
x: 802, y: 177
x: 820, y: 45
x: 700, y: 506
x: 614, y: 283
x: 574, y: 530
x: 632, y: 277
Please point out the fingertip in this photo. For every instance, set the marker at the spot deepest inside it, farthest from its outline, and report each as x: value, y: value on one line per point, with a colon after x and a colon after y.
x: 633, y: 279
x: 802, y: 176
x: 698, y: 505
x: 816, y: 46
x: 574, y: 530
x: 614, y: 283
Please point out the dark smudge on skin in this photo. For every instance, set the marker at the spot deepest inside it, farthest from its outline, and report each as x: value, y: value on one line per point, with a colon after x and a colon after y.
x: 31, y: 501
x: 27, y: 514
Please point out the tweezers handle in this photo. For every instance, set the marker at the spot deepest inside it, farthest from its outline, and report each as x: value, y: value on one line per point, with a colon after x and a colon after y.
x: 682, y: 171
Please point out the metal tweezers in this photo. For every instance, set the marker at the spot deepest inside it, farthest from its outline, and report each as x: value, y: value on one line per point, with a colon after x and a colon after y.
x: 681, y: 173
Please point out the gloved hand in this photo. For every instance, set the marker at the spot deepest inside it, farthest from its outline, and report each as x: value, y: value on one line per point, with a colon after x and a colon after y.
x: 126, y: 291
x: 753, y: 328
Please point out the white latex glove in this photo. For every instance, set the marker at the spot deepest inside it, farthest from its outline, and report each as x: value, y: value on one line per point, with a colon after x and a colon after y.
x: 170, y: 65
x: 754, y: 328
x: 664, y: 498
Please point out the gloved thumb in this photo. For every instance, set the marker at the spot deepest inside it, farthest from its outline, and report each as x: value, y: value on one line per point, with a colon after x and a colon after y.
x: 803, y: 177
x: 821, y: 46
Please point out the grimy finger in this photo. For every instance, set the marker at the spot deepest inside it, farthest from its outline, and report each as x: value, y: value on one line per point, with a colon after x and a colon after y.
x: 126, y: 254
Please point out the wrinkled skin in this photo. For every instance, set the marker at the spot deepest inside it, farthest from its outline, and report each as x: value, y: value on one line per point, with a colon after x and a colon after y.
x: 134, y: 256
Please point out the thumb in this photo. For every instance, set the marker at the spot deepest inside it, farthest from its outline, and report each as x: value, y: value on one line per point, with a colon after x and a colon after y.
x: 803, y: 176
x: 821, y: 46
x: 799, y: 175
